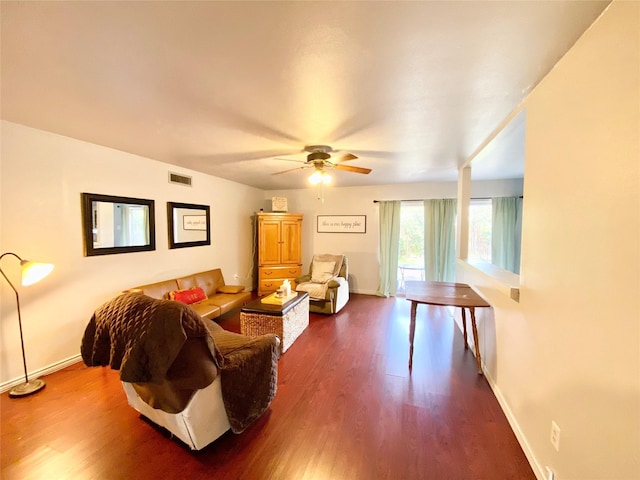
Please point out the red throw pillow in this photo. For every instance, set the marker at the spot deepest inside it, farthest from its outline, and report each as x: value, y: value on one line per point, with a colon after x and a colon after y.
x: 189, y: 296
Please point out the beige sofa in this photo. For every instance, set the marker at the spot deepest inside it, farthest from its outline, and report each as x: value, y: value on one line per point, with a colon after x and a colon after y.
x: 221, y: 298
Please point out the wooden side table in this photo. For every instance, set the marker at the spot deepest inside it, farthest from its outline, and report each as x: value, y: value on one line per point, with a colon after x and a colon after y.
x: 448, y: 295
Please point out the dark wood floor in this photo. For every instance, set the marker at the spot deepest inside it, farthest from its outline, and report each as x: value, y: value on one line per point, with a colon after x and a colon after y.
x: 346, y: 409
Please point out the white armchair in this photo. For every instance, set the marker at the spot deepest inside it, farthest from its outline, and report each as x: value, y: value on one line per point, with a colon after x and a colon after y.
x: 326, y: 283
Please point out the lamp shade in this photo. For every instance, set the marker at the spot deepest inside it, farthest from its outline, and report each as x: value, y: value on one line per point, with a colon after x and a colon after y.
x: 33, y: 272
x: 319, y: 176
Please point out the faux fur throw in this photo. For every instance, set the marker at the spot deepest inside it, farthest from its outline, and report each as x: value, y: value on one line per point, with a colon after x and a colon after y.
x: 142, y: 337
x: 318, y: 291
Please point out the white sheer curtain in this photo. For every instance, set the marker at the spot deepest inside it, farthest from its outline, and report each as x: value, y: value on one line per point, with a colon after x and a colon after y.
x: 506, y: 226
x: 439, y: 239
x: 389, y: 246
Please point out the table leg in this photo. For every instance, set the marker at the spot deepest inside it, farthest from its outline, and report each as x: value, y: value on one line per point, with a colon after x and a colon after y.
x: 464, y: 328
x: 475, y: 339
x: 412, y: 331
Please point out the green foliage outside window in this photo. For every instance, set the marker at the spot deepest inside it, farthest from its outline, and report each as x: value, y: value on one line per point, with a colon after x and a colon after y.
x: 411, y: 234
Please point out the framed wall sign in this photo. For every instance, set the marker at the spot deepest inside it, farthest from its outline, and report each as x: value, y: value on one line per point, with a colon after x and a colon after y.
x: 194, y: 222
x: 279, y: 204
x: 188, y: 225
x: 342, y: 224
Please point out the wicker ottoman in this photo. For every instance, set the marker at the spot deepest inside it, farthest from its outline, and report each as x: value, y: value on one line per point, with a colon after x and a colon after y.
x: 287, y: 321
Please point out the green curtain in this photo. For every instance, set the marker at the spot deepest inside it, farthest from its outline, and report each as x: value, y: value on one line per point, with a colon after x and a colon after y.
x: 506, y: 226
x: 389, y: 247
x: 439, y: 240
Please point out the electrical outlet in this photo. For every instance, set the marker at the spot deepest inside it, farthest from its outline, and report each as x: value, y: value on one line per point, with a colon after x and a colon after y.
x: 555, y: 436
x: 549, y: 474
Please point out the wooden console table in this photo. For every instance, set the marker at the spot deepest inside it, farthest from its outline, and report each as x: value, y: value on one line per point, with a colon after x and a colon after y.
x: 448, y: 295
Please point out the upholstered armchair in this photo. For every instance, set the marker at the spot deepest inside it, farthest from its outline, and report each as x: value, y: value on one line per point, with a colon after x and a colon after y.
x: 181, y: 371
x: 326, y: 283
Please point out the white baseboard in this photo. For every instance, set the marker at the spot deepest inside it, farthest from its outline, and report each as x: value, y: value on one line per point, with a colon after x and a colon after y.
x: 513, y: 423
x: 526, y: 448
x: 364, y: 292
x: 43, y: 371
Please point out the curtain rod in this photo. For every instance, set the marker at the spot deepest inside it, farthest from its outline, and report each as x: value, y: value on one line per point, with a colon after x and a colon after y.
x: 423, y: 199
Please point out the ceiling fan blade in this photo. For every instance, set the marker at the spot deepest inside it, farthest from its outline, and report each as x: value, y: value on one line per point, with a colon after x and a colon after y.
x: 345, y: 157
x: 299, y: 156
x: 290, y: 170
x: 349, y: 168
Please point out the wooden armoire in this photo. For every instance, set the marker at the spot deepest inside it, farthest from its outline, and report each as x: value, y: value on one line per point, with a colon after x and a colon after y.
x: 279, y: 249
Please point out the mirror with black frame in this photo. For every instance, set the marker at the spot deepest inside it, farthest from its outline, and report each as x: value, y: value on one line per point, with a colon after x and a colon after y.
x: 113, y: 224
x: 188, y: 225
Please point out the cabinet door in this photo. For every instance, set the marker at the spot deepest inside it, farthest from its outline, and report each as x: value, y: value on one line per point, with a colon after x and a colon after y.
x: 291, y: 241
x: 269, y: 241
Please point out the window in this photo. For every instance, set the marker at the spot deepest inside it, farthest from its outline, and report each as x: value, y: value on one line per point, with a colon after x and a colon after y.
x: 411, y: 248
x: 480, y: 230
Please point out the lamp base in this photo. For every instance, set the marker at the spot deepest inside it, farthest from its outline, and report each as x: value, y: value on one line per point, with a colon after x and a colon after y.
x: 27, y: 388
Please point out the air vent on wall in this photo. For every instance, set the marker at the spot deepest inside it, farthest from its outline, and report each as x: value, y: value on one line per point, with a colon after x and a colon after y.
x: 179, y: 179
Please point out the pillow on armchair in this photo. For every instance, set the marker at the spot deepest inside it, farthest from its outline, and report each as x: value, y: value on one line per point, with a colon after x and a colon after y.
x: 322, y: 272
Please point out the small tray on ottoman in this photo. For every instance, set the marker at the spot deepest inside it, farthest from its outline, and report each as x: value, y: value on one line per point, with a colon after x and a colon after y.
x: 274, y: 299
x: 287, y: 321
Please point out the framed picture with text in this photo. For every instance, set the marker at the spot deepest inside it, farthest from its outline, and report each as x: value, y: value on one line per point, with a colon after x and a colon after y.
x: 342, y: 224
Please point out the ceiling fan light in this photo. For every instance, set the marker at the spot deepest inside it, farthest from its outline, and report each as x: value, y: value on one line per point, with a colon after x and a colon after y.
x: 319, y: 176
x: 316, y: 177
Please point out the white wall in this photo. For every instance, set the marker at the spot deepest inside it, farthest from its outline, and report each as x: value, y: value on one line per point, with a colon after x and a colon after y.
x: 362, y: 249
x: 570, y: 350
x: 42, y: 177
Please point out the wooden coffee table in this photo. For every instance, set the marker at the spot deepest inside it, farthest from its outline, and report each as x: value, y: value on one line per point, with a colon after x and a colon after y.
x: 287, y: 321
x: 449, y: 295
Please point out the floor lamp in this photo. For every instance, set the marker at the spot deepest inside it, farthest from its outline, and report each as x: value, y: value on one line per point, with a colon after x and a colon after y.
x: 32, y: 272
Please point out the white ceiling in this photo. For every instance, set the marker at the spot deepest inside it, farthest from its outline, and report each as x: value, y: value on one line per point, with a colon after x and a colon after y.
x: 411, y: 88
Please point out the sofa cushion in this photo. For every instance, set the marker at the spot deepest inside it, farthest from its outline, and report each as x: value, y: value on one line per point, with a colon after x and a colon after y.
x: 189, y: 296
x: 209, y: 281
x: 230, y: 288
x: 207, y: 309
x: 158, y: 290
x: 229, y: 301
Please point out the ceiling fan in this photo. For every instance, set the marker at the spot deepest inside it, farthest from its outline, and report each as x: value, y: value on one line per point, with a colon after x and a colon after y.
x: 320, y: 157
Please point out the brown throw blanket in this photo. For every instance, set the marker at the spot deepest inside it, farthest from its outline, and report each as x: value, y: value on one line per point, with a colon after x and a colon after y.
x: 147, y: 339
x: 249, y: 373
